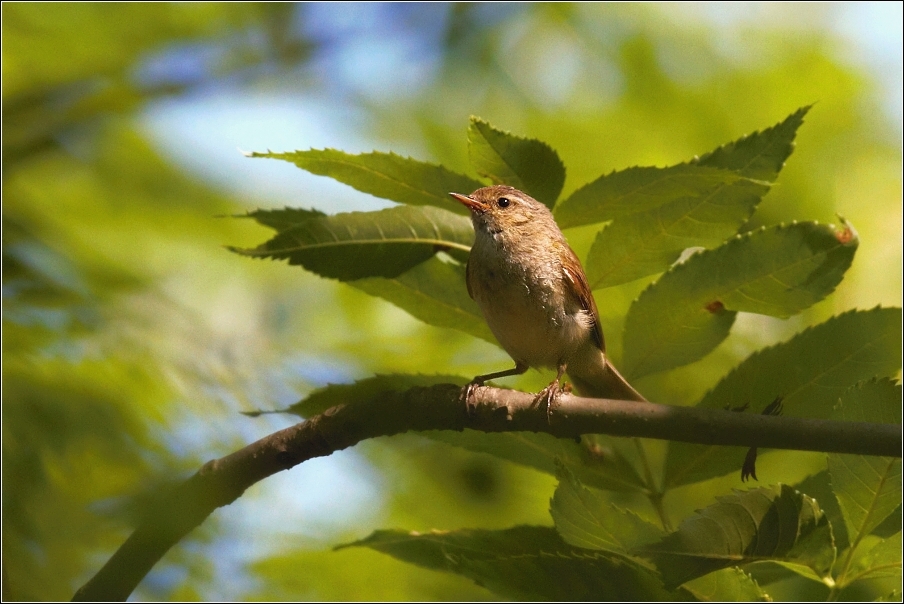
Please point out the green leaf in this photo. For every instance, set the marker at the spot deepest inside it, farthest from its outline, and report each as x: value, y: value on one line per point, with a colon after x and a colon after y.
x: 768, y: 572
x: 661, y: 212
x: 350, y: 575
x: 876, y: 401
x: 523, y: 163
x: 801, y: 571
x: 368, y: 244
x: 891, y: 525
x: 882, y: 560
x: 646, y: 243
x: 597, y: 460
x: 281, y: 219
x: 815, y: 367
x: 434, y: 292
x: 819, y: 487
x: 727, y: 585
x: 364, y: 391
x: 587, y: 520
x: 893, y: 596
x: 760, y: 155
x: 639, y: 190
x: 868, y: 488
x: 385, y: 175
x: 811, y: 371
x: 768, y: 523
x: 523, y: 563
x: 689, y: 311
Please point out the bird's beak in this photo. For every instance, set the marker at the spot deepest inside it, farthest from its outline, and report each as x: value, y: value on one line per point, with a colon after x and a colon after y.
x: 472, y: 204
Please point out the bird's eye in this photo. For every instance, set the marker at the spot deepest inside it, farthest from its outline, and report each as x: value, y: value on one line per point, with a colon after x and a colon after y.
x: 503, y: 202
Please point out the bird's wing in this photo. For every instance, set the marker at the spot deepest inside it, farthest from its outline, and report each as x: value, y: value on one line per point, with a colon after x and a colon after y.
x: 574, y: 273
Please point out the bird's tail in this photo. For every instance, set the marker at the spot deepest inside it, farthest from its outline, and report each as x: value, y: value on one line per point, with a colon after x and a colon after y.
x: 604, y: 381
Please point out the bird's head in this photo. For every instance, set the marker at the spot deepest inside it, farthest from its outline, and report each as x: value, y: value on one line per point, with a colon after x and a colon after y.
x: 502, y: 210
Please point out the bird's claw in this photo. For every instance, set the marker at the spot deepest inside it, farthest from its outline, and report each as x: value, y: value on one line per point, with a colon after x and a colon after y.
x: 549, y: 396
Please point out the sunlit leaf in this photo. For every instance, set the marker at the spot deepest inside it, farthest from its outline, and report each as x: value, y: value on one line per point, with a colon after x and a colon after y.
x: 646, y: 243
x: 585, y: 519
x: 366, y: 390
x: 868, y: 488
x: 356, y: 245
x: 597, y: 461
x: 385, y: 175
x: 811, y: 371
x: 727, y: 585
x: 759, y: 155
x: 524, y: 563
x: 769, y: 571
x: 678, y: 208
x: 819, y: 487
x: 638, y: 190
x: 434, y: 292
x: 891, y: 525
x: 523, y: 163
x: 690, y: 309
x: 769, y: 523
x: 281, y: 219
x: 881, y: 560
x: 351, y: 575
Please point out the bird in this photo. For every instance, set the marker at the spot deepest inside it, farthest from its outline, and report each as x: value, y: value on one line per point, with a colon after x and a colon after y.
x: 535, y: 297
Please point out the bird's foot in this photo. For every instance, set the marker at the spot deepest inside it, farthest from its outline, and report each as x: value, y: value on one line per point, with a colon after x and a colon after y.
x: 549, y: 397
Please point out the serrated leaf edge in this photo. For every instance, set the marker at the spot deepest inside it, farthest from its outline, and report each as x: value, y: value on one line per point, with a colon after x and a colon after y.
x: 283, y: 155
x: 738, y: 239
x: 801, y: 111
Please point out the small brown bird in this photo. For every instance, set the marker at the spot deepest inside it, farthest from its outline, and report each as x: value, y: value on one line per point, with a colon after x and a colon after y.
x: 534, y: 295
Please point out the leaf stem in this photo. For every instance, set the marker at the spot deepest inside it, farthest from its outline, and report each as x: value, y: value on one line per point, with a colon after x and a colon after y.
x: 655, y: 494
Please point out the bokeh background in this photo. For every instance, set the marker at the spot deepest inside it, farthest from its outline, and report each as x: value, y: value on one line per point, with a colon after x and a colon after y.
x: 132, y: 339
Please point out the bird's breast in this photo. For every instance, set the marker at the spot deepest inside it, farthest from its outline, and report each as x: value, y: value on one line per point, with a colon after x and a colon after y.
x: 525, y: 306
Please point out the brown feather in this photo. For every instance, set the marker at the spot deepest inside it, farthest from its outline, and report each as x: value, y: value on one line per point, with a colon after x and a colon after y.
x: 574, y: 272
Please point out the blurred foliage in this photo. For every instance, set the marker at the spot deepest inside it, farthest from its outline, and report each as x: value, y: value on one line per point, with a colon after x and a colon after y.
x: 130, y: 338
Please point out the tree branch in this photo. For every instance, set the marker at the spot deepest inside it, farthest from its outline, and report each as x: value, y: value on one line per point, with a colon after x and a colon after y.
x: 222, y: 481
